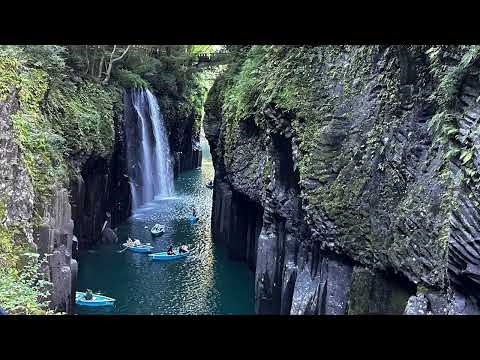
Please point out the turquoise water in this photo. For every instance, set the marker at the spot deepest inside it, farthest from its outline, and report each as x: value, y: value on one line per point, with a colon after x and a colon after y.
x: 207, y: 282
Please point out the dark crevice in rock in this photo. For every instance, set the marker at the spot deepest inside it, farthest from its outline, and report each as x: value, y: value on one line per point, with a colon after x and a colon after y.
x: 236, y: 223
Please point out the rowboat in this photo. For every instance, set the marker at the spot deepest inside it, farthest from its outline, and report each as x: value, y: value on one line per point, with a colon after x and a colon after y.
x: 157, y: 230
x: 139, y: 248
x: 192, y: 219
x: 163, y: 256
x: 97, y: 300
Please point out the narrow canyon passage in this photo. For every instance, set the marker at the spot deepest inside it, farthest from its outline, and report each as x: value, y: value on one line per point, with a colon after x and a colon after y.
x: 207, y: 282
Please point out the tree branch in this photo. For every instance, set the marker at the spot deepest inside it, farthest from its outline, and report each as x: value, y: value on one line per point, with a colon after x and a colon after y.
x: 112, y: 60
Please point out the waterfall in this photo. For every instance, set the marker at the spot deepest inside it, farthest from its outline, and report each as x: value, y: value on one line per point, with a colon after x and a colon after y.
x: 162, y: 149
x: 148, y: 153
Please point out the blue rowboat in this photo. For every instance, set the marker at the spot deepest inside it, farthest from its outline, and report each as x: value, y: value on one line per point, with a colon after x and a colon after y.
x: 163, y: 256
x: 97, y: 300
x: 139, y: 249
x: 158, y: 230
x: 192, y: 219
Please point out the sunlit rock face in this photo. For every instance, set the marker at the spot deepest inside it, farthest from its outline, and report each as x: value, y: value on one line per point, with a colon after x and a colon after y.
x: 364, y: 205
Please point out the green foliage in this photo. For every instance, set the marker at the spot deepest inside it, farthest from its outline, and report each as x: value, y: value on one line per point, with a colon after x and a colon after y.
x: 129, y: 79
x: 8, y: 75
x: 8, y: 255
x: 39, y: 144
x: 445, y: 123
x: 23, y: 288
x: 50, y: 58
x: 25, y: 291
x: 201, y: 49
x: 83, y: 115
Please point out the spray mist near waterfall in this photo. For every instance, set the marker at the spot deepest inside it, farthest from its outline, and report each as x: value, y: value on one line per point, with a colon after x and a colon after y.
x: 150, y: 167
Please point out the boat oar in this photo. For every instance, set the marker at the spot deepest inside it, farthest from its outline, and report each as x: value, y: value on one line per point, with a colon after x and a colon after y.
x: 122, y: 250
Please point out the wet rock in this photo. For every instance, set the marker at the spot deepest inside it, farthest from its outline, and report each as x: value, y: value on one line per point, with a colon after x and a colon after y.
x: 417, y: 305
x: 109, y: 236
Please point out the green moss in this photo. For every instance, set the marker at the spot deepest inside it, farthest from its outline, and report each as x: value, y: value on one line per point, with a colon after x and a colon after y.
x: 8, y: 75
x: 130, y: 80
x: 322, y: 87
x: 10, y: 249
x: 83, y: 115
x: 24, y: 291
x: 359, y: 296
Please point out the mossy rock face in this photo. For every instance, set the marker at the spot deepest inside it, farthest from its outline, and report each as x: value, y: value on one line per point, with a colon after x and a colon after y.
x: 49, y: 123
x: 372, y: 293
x: 372, y: 139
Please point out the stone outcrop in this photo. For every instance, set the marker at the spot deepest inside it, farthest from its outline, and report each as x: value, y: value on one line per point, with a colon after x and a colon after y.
x: 55, y: 237
x: 360, y: 211
x: 16, y: 191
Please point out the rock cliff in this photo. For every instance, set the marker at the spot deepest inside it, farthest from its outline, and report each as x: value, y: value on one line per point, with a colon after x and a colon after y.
x: 63, y: 167
x: 346, y: 176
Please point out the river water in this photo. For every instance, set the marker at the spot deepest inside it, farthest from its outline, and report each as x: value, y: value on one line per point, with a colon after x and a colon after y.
x: 207, y: 282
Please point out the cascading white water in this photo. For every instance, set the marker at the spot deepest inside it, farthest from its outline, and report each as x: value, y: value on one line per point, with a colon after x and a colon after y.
x: 150, y: 170
x: 163, y: 157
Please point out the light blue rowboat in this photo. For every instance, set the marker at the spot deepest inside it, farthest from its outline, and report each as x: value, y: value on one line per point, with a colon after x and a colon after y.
x: 158, y: 230
x: 163, y: 256
x: 139, y: 249
x: 97, y: 300
x: 192, y: 219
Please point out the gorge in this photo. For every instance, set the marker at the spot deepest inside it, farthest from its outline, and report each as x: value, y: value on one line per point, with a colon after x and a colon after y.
x: 345, y: 178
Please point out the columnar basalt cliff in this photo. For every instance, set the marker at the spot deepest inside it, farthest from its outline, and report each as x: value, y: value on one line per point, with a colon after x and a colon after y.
x: 54, y: 234
x: 353, y: 171
x: 100, y: 193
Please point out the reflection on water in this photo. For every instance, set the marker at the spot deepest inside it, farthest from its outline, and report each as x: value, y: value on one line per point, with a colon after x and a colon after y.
x: 204, y: 283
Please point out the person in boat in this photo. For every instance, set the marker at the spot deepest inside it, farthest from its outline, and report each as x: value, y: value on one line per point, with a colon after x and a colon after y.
x: 170, y: 251
x: 129, y: 242
x: 183, y: 249
x: 88, y: 295
x: 137, y: 243
x: 210, y: 183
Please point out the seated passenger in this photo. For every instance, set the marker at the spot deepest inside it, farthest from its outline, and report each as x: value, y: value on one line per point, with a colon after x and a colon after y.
x: 183, y: 249
x: 88, y: 295
x: 137, y: 242
x: 170, y: 251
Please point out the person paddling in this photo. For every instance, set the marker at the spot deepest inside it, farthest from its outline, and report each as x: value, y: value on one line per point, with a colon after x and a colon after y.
x: 129, y: 242
x: 88, y: 295
x: 170, y: 251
